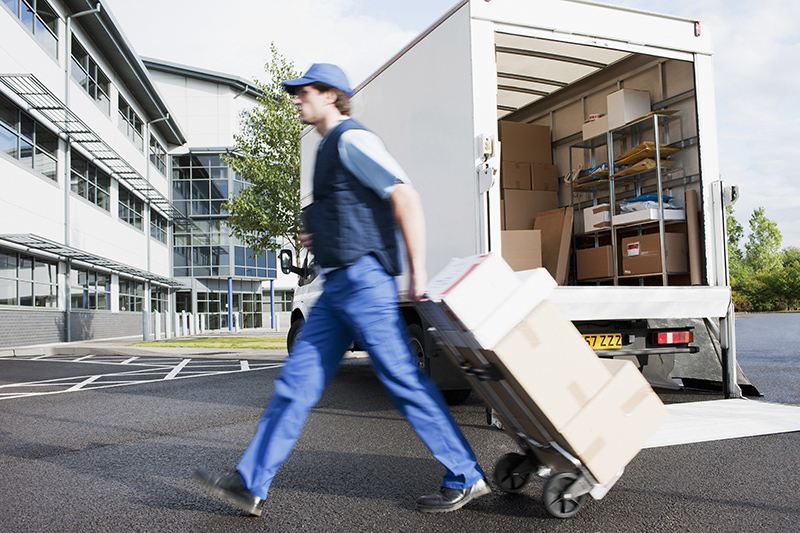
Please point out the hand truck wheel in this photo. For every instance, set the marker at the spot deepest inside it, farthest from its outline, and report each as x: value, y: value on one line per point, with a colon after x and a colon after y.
x: 510, y: 473
x: 556, y: 499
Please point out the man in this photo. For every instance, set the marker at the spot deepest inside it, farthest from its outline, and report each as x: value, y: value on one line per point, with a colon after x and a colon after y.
x: 361, y: 198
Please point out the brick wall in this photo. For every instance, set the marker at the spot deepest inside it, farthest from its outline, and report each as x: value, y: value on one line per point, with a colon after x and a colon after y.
x: 23, y: 327
x: 87, y: 326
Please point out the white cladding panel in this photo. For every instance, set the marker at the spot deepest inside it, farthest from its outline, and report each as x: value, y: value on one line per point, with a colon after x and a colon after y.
x: 598, y: 21
x: 30, y: 203
x: 428, y: 126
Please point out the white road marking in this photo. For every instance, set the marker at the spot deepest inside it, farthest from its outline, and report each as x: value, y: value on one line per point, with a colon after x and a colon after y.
x: 177, y: 369
x: 80, y: 385
x: 152, y: 370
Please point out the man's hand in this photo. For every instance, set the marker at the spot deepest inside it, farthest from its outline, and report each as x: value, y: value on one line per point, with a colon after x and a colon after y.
x: 306, y: 239
x: 408, y: 213
x: 417, y: 283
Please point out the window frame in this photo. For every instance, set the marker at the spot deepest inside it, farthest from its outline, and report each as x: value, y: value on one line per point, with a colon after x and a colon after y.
x: 41, y: 293
x: 130, y: 208
x: 93, y: 287
x: 44, y: 32
x: 90, y: 183
x: 29, y: 132
x: 130, y: 123
x: 93, y: 80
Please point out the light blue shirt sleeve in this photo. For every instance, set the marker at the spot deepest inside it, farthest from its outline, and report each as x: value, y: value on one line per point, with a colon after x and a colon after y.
x: 364, y: 154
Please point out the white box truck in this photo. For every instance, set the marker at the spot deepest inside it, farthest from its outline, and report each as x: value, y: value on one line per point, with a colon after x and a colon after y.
x: 445, y: 106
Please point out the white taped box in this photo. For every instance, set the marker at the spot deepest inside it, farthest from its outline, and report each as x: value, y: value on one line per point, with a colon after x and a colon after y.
x: 614, y: 425
x: 548, y: 363
x: 530, y: 288
x: 471, y: 288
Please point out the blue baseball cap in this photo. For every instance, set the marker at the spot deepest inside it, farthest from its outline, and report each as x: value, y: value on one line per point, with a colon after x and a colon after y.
x: 323, y: 73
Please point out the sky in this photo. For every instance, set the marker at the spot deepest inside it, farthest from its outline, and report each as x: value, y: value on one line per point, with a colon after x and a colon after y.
x: 756, y: 61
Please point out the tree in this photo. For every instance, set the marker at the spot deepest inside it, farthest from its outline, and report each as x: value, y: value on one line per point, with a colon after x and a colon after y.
x: 762, y: 250
x: 736, y: 265
x: 267, y: 157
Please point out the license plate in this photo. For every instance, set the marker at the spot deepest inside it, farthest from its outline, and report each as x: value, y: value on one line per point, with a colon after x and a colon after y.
x: 604, y: 341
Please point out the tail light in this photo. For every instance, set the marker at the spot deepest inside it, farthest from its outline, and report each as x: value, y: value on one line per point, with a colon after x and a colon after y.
x: 673, y: 337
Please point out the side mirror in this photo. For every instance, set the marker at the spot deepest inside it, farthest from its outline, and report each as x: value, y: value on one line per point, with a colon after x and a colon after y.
x: 287, y: 264
x: 286, y: 261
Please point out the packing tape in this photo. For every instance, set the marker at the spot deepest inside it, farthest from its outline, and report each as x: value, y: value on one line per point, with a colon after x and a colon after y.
x: 577, y: 392
x: 630, y: 405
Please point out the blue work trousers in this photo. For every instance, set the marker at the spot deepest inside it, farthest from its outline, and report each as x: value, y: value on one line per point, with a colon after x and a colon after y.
x: 358, y: 303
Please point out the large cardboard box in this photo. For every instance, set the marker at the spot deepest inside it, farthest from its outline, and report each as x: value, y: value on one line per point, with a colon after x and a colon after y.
x: 642, y: 254
x: 522, y: 249
x: 595, y: 127
x: 521, y: 207
x: 612, y: 428
x: 626, y: 105
x: 471, y: 288
x: 596, y: 218
x: 595, y: 263
x: 550, y: 367
x: 524, y: 143
x: 544, y: 177
x: 515, y: 175
x: 556, y: 228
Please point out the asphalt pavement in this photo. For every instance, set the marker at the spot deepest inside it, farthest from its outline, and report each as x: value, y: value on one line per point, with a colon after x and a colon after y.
x: 119, y: 457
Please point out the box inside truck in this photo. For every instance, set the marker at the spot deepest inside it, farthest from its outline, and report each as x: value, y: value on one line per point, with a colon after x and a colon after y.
x: 555, y: 104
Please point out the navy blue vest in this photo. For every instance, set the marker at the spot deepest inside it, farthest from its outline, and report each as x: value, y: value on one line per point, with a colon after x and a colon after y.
x: 347, y: 219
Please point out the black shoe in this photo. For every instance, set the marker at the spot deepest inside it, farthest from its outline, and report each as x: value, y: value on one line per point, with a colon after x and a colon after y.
x: 230, y: 488
x: 447, y: 500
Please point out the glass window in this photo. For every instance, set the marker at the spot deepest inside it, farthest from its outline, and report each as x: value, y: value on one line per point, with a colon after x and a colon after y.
x: 130, y: 124
x: 27, y: 141
x: 158, y: 227
x: 89, y: 289
x: 27, y: 281
x: 90, y: 76
x: 131, y: 295
x: 158, y: 156
x: 158, y: 299
x: 130, y: 208
x: 90, y: 182
x: 38, y: 18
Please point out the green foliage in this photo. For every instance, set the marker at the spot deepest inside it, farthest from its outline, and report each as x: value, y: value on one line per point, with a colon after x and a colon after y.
x: 762, y: 250
x: 763, y: 277
x: 268, y: 158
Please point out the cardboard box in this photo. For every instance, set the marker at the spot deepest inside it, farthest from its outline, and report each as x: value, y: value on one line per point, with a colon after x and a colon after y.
x: 549, y: 366
x: 596, y: 218
x: 595, y: 127
x: 537, y: 285
x: 642, y: 254
x: 595, y: 263
x: 544, y: 177
x: 626, y: 105
x: 524, y: 143
x: 556, y: 228
x: 521, y: 207
x: 470, y: 289
x: 515, y: 175
x: 645, y: 215
x: 522, y: 249
x: 612, y: 428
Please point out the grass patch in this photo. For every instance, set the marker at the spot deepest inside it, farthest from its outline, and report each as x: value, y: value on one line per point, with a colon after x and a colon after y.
x: 258, y: 343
